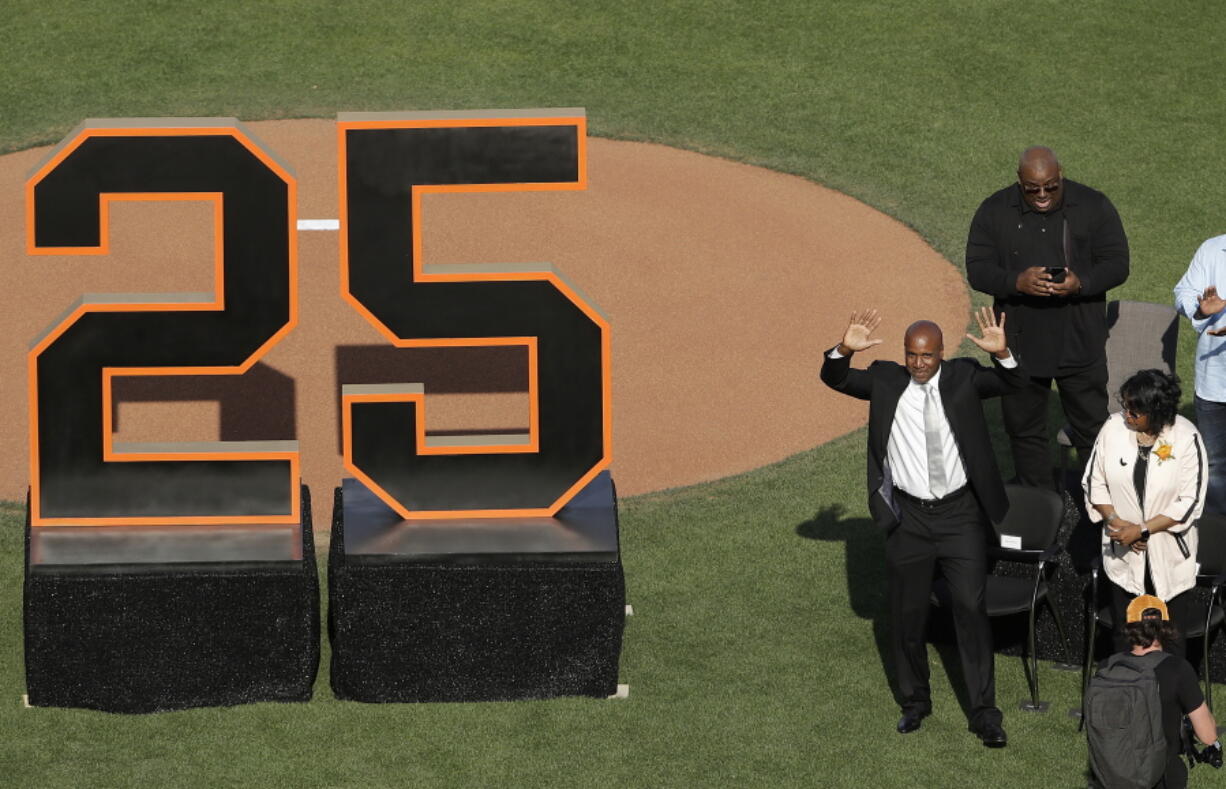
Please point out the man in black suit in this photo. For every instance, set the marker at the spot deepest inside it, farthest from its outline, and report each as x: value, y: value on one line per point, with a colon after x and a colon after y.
x: 932, y: 477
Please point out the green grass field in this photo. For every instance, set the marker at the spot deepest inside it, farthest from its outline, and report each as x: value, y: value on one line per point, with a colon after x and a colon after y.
x: 752, y: 655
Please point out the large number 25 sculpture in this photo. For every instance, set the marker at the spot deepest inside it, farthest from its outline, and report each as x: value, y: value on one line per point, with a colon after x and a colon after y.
x: 387, y: 164
x: 77, y: 476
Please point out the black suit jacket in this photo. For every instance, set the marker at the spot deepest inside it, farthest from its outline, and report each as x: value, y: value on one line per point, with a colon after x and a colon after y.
x: 964, y: 382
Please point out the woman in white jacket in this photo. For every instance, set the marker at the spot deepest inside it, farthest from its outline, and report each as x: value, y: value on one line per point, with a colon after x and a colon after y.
x: 1145, y: 481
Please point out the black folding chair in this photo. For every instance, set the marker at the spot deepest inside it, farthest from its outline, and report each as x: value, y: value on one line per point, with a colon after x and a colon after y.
x: 1211, y: 555
x: 1099, y: 615
x: 1027, y: 535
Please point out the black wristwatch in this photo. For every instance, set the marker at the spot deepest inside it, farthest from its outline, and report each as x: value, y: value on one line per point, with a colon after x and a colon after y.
x: 1144, y: 533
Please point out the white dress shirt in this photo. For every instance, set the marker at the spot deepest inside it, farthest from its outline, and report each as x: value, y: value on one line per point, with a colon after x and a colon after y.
x: 907, y: 450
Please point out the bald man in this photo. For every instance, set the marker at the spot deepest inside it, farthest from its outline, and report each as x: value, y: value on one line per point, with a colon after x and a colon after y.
x: 1048, y: 249
x: 932, y: 482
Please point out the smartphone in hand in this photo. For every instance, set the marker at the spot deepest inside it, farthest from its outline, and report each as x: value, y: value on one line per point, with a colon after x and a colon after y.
x: 1056, y: 273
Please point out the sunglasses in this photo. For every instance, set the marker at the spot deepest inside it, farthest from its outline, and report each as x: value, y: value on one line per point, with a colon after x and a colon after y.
x: 1032, y: 189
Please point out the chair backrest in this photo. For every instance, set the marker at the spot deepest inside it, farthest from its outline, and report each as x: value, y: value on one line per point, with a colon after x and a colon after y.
x: 1211, y: 545
x: 1141, y: 336
x: 1034, y: 517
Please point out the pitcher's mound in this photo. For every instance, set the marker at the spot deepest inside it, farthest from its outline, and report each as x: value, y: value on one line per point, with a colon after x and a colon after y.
x: 723, y: 284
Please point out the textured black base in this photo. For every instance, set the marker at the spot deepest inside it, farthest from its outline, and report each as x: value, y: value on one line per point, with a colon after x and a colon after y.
x: 464, y: 628
x: 153, y: 637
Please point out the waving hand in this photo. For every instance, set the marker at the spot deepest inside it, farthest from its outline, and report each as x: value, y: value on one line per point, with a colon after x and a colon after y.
x: 859, y: 330
x: 992, y: 334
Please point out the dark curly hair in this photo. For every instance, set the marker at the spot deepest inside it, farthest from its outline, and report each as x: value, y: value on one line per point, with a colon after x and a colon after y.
x: 1152, y: 393
x: 1147, y: 631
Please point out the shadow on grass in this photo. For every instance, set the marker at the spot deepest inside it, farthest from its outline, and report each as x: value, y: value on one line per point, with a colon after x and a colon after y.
x: 865, y: 572
x: 867, y: 592
x: 865, y: 555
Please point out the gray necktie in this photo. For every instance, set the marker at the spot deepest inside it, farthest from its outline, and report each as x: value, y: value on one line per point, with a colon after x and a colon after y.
x: 932, y: 438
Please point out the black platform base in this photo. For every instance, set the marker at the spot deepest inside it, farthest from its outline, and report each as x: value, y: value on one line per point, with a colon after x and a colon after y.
x: 131, y: 619
x: 476, y: 610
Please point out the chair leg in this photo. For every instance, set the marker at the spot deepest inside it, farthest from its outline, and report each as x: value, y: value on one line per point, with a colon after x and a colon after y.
x: 1033, y: 705
x: 1034, y: 661
x: 1204, y: 663
x: 1208, y: 676
x: 1085, y: 674
x: 1068, y: 651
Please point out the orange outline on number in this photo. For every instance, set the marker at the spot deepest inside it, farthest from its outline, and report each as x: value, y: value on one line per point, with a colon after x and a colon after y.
x: 218, y: 304
x: 419, y: 274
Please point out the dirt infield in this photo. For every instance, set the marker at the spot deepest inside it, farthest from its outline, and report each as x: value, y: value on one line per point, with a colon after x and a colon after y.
x: 723, y: 283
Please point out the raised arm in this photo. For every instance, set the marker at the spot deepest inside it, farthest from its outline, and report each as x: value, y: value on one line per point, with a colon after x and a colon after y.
x: 1005, y: 374
x: 858, y: 336
x: 1196, y: 295
x: 836, y: 366
x: 991, y: 333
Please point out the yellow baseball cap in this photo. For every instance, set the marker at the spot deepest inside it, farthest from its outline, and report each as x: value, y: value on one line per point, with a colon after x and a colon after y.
x: 1147, y: 606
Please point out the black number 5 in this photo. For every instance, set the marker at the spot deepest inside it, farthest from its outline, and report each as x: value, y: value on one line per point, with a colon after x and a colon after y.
x: 387, y: 164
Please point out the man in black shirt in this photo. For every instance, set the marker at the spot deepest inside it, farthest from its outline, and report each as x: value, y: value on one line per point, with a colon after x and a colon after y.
x: 1048, y: 249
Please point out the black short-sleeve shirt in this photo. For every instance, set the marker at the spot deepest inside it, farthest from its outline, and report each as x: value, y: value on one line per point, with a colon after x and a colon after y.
x: 1180, y: 693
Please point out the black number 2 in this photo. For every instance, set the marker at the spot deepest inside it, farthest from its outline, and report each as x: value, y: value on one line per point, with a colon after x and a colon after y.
x: 77, y: 476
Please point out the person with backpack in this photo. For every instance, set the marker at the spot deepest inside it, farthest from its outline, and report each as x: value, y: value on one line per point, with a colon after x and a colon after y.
x: 1135, y: 704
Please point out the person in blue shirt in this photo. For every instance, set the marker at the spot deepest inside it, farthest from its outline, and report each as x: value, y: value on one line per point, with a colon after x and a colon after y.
x: 1196, y: 297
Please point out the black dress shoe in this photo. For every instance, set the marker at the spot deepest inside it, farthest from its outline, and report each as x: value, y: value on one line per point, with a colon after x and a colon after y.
x: 910, y: 721
x: 992, y: 735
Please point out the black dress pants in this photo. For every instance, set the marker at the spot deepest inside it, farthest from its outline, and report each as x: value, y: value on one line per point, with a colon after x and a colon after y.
x: 949, y: 535
x: 1083, y: 395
